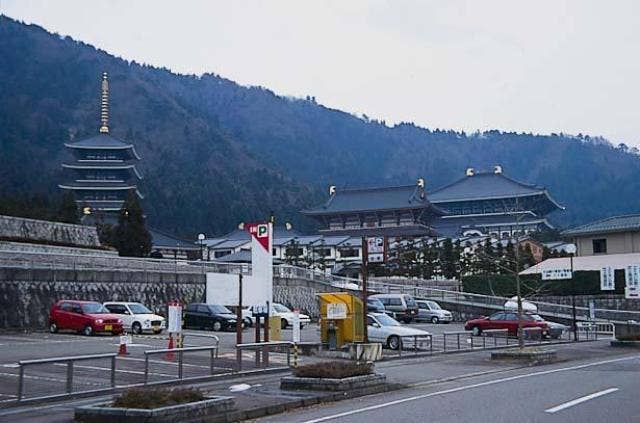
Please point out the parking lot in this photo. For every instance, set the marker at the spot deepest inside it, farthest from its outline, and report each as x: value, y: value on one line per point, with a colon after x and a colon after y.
x: 94, y: 374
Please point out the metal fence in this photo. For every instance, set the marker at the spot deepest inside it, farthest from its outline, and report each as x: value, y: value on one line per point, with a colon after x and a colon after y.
x: 170, y: 353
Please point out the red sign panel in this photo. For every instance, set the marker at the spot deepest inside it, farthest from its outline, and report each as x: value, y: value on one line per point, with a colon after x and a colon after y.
x: 259, y: 231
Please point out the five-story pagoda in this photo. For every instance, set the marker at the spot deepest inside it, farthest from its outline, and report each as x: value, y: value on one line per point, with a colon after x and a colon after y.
x: 104, y: 169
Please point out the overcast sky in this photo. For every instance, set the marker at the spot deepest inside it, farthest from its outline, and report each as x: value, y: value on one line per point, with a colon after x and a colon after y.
x: 537, y: 66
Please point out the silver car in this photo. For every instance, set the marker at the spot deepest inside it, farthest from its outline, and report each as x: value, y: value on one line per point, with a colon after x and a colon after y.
x: 430, y: 311
x: 388, y: 331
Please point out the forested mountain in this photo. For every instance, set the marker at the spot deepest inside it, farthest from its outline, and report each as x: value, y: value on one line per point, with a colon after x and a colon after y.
x: 215, y: 153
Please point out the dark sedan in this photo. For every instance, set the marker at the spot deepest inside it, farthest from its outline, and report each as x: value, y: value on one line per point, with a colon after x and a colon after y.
x: 209, y: 316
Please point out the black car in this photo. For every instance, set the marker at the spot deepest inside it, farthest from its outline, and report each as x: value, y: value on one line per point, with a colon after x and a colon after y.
x: 209, y: 316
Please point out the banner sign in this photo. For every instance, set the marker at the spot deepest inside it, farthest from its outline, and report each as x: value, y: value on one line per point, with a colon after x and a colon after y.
x: 260, y: 232
x: 556, y: 274
x: 336, y: 311
x: 607, y: 279
x: 632, y: 276
x: 296, y: 326
x: 175, y: 319
x: 375, y: 248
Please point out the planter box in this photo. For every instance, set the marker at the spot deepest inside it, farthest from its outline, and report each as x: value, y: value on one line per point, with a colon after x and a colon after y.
x: 323, y: 384
x: 527, y: 356
x: 199, y: 411
x: 627, y: 331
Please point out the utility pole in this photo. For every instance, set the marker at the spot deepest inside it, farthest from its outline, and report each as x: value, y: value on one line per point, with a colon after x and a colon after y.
x: 520, y: 322
x: 365, y: 270
x: 239, y: 321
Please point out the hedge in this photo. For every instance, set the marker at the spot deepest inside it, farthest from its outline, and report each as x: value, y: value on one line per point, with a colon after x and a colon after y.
x: 583, y: 283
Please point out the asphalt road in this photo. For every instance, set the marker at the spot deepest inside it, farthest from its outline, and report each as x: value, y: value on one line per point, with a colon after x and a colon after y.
x: 596, y: 390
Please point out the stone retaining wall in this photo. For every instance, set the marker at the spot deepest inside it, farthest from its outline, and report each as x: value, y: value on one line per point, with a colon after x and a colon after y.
x: 21, y: 229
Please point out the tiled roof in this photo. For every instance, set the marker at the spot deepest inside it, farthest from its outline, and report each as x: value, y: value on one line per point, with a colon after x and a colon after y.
x: 100, y: 141
x: 162, y: 240
x: 485, y: 185
x: 629, y: 222
x: 369, y: 199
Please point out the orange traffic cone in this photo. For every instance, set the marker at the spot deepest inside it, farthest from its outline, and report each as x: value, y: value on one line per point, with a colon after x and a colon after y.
x: 170, y: 355
x: 123, y: 346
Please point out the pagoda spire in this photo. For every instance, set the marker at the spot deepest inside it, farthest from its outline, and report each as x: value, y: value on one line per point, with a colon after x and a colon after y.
x: 104, y: 110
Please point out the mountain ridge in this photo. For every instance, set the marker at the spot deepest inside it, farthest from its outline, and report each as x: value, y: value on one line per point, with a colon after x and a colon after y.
x: 215, y: 152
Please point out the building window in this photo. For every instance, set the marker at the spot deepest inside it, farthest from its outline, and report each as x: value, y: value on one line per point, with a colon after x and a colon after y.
x: 599, y: 246
x: 349, y: 252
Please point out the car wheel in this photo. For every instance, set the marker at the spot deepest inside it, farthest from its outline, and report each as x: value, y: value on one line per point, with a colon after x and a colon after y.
x: 88, y: 330
x: 248, y: 323
x: 53, y: 328
x: 435, y: 320
x: 407, y: 320
x: 217, y: 326
x: 393, y: 342
x: 476, y: 331
x: 283, y: 323
x: 136, y: 328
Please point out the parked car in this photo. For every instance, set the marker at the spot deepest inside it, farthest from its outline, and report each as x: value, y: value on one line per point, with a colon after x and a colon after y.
x: 88, y: 317
x: 286, y: 316
x: 555, y: 330
x: 374, y: 305
x: 137, y: 317
x: 505, y: 320
x: 247, y: 315
x: 431, y: 311
x: 403, y: 306
x: 209, y: 316
x: 385, y: 329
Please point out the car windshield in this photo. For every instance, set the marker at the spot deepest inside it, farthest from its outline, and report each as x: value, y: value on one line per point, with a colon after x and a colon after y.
x: 536, y: 317
x: 281, y: 309
x: 94, y: 308
x: 410, y: 301
x: 387, y: 321
x: 375, y: 302
x: 434, y: 306
x: 137, y: 308
x: 218, y: 309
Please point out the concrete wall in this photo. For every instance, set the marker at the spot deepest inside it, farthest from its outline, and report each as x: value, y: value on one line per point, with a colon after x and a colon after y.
x: 20, y: 229
x: 617, y: 243
x: 26, y: 295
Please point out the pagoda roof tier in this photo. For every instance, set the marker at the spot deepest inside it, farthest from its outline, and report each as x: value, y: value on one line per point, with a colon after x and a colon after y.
x: 103, y: 142
x: 92, y: 186
x: 103, y: 165
x: 343, y: 201
x: 107, y: 205
x: 488, y: 186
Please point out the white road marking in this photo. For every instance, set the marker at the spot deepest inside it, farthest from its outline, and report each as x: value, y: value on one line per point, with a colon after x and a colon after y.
x: 464, y: 388
x: 133, y: 372
x: 11, y: 365
x: 579, y: 400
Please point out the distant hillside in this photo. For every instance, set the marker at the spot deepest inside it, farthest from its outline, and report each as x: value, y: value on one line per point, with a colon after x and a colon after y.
x: 214, y: 152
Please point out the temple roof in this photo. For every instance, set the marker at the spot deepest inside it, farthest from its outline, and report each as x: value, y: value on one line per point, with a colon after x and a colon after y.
x: 374, y: 199
x: 624, y: 223
x: 455, y: 225
x: 487, y: 186
x: 103, y: 142
x: 103, y: 165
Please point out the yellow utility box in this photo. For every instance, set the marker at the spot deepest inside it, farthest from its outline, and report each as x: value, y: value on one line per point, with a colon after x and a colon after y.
x: 275, y: 333
x: 341, y: 317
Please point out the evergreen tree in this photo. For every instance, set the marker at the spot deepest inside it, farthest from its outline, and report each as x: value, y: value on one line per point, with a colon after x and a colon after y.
x: 448, y: 260
x: 510, y: 257
x: 131, y: 236
x: 68, y: 210
x: 499, y: 253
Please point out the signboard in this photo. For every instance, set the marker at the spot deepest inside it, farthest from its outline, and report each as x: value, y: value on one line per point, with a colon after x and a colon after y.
x: 296, y: 326
x: 261, y: 310
x: 336, y: 311
x: 375, y: 248
x: 260, y: 232
x: 592, y: 310
x: 556, y: 274
x: 607, y: 279
x: 632, y: 276
x: 175, y: 319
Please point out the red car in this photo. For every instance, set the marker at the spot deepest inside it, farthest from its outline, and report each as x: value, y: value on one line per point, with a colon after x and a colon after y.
x: 505, y: 320
x: 88, y: 317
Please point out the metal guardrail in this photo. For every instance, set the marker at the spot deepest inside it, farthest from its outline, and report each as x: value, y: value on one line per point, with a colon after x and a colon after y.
x: 470, y: 337
x: 263, y: 349
x: 69, y: 377
x: 180, y: 353
x: 414, y: 343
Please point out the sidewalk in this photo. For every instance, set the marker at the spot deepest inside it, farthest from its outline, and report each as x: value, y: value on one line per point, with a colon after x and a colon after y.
x: 261, y: 395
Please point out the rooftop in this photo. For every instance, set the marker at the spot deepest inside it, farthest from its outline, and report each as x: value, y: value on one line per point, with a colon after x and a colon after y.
x: 162, y: 240
x: 485, y: 186
x: 624, y: 223
x: 373, y: 199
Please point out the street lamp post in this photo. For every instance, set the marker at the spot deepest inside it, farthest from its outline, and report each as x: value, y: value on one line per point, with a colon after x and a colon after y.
x: 571, y: 249
x: 201, y: 239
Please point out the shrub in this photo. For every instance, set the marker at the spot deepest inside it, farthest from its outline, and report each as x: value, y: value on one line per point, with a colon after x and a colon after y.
x: 333, y: 370
x: 158, y: 397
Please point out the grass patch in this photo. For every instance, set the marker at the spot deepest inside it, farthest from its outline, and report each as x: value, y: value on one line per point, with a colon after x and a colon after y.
x: 156, y: 397
x: 333, y: 370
